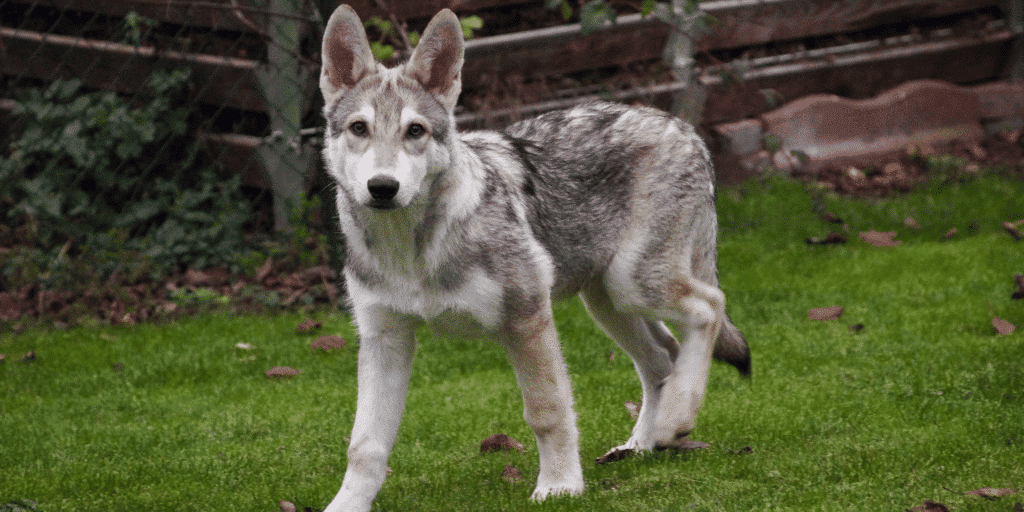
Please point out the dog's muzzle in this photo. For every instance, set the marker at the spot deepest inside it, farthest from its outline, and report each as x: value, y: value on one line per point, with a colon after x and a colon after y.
x: 383, y: 190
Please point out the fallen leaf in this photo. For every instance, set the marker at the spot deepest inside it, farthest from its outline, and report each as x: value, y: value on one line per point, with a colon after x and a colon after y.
x: 1019, y: 281
x: 511, y: 474
x: 1002, y: 326
x: 1012, y: 229
x: 286, y: 506
x: 949, y: 234
x: 611, y: 357
x: 880, y: 238
x: 911, y: 223
x: 856, y: 328
x: 308, y: 325
x: 264, y: 271
x: 2, y: 358
x: 744, y: 451
x: 244, y: 346
x: 328, y: 343
x: 830, y: 239
x: 827, y: 313
x: 8, y: 307
x: 930, y: 506
x: 614, y: 455
x: 500, y: 442
x: 283, y: 371
x: 633, y: 409
x: 29, y: 356
x: 831, y: 218
x: 990, y: 492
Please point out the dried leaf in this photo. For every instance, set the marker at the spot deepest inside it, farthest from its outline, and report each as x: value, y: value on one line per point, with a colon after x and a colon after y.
x: 911, y: 223
x: 1012, y: 229
x: 244, y: 346
x: 1019, y: 281
x: 1003, y: 327
x: 990, y: 492
x: 283, y: 371
x: 949, y: 234
x: 614, y: 455
x: 8, y: 307
x: 856, y: 328
x: 633, y: 409
x: 29, y: 356
x: 328, y: 343
x: 830, y: 239
x: 308, y: 325
x: 880, y: 238
x: 500, y: 442
x: 746, y: 450
x: 827, y: 313
x: 264, y: 271
x: 2, y: 358
x: 930, y: 506
x: 511, y: 474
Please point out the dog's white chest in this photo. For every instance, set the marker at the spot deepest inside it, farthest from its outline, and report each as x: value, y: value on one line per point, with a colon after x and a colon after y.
x: 471, y: 310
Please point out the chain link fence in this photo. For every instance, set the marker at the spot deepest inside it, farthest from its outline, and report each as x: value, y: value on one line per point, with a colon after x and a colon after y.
x: 153, y: 128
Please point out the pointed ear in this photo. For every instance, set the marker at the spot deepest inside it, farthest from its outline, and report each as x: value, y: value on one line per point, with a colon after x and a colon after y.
x: 345, y: 54
x: 436, y: 63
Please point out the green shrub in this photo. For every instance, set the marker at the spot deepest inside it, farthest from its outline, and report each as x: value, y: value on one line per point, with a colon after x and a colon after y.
x: 119, y: 184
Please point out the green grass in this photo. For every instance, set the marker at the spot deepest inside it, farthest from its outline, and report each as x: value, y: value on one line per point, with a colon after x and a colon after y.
x: 924, y: 399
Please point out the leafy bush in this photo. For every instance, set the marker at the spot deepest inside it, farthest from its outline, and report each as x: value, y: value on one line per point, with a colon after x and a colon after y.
x: 115, y: 183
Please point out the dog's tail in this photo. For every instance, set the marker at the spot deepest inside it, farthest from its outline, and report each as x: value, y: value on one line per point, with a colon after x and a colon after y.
x: 732, y: 348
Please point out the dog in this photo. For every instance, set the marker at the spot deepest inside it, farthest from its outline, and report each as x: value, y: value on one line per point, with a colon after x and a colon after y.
x: 476, y: 234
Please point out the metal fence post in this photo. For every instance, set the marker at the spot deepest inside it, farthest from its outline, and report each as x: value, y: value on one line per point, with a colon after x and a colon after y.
x: 285, y: 86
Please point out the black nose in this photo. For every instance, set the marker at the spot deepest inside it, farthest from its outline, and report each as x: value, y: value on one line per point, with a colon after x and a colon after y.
x: 382, y: 188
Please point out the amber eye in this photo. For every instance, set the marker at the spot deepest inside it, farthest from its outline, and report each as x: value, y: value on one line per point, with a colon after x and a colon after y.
x: 415, y: 131
x: 359, y: 128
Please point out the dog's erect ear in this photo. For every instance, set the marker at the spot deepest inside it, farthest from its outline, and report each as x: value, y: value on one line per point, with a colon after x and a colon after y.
x: 436, y: 63
x: 345, y: 54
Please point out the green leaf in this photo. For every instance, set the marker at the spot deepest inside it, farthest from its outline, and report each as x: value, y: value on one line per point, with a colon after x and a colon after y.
x: 469, y: 24
x: 647, y: 7
x: 594, y: 15
x: 382, y: 52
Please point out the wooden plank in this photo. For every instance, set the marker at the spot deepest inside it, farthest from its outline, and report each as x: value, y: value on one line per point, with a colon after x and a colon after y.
x: 212, y: 14
x: 422, y: 9
x: 222, y: 80
x: 221, y: 15
x: 854, y: 74
x: 754, y: 22
x: 564, y: 49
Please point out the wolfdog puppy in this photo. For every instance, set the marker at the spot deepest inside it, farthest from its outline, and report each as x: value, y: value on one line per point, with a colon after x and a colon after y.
x: 476, y: 234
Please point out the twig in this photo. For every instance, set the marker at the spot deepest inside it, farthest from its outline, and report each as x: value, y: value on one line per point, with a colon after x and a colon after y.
x: 403, y: 34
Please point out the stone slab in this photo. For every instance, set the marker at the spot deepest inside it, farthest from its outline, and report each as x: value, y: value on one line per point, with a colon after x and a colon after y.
x: 830, y: 130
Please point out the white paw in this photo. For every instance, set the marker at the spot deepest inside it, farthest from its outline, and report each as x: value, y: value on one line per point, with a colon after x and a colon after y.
x: 543, y: 491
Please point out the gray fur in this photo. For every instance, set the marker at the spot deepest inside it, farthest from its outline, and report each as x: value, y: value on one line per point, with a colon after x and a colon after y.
x: 487, y: 229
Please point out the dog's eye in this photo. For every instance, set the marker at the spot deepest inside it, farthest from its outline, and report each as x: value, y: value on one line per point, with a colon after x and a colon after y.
x: 415, y: 131
x: 358, y: 128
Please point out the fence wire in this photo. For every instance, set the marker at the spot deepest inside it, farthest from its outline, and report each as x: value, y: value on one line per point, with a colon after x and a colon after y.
x: 155, y: 120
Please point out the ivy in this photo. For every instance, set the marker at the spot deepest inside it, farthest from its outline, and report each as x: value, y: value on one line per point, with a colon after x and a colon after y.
x: 117, y: 182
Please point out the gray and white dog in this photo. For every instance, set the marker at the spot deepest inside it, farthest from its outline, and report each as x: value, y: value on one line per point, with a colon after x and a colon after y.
x: 476, y: 234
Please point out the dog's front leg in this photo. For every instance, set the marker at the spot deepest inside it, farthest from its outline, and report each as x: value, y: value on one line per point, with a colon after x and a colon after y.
x: 386, y: 348
x: 533, y: 349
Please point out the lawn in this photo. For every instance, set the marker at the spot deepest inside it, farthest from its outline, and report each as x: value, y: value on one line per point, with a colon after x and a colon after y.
x: 924, y: 402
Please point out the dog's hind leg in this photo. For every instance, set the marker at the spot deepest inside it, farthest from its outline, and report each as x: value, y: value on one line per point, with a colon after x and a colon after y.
x: 532, y: 345
x: 651, y: 347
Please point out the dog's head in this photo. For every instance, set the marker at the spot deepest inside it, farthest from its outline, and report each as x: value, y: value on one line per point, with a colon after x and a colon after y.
x: 388, y: 129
